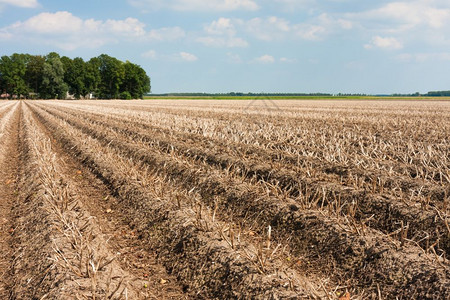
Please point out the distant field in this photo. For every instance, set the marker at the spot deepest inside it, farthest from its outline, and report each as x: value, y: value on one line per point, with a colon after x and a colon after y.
x: 229, y: 199
x: 378, y: 98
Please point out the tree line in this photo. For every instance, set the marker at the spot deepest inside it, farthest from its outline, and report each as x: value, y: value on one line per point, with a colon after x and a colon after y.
x: 438, y: 94
x: 55, y: 77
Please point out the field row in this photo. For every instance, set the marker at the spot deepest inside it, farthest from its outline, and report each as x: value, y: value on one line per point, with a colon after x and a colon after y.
x: 254, y: 203
x: 228, y: 211
x: 376, y: 203
x: 410, y: 146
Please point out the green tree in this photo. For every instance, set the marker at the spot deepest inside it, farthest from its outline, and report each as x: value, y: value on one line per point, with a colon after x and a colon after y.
x: 112, y: 73
x: 33, y: 74
x: 52, y: 76
x: 53, y: 85
x: 75, y: 75
x: 92, y: 77
x: 2, y: 81
x: 136, y: 82
x: 13, y: 69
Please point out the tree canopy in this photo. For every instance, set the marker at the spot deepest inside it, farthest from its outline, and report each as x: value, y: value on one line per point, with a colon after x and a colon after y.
x: 53, y: 76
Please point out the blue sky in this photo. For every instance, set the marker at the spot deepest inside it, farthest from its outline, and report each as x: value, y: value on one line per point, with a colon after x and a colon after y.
x: 348, y: 46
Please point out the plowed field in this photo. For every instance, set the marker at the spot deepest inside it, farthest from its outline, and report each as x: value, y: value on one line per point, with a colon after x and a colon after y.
x: 186, y: 199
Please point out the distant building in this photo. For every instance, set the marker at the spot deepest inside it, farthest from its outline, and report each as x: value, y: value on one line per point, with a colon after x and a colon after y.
x: 70, y: 96
x: 33, y: 95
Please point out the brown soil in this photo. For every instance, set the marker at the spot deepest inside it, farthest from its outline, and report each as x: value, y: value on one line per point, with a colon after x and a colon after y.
x: 384, y: 211
x: 9, y: 176
x: 135, y: 255
x: 190, y: 243
x: 28, y: 237
x: 349, y: 251
x: 100, y: 202
x: 227, y: 154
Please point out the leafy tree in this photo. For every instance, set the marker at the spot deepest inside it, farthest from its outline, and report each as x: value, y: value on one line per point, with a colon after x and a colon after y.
x: 2, y: 81
x: 33, y: 74
x: 112, y: 73
x: 52, y: 76
x: 136, y: 82
x: 125, y: 95
x: 93, y: 77
x: 75, y: 75
x: 53, y: 85
x: 13, y: 71
x: 67, y: 64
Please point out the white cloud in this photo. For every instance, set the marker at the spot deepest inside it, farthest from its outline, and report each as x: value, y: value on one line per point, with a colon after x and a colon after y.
x: 21, y: 3
x: 166, y: 34
x: 45, y: 23
x: 412, y: 13
x: 69, y: 32
x: 5, y: 35
x: 399, y: 17
x: 224, y: 32
x: 127, y: 27
x: 265, y: 59
x: 234, y: 58
x: 268, y: 29
x: 196, y: 5
x: 177, y: 57
x: 384, y: 43
x: 185, y: 56
x: 417, y: 21
x: 310, y: 32
x: 275, y: 28
x: 221, y: 33
x: 149, y: 54
x: 222, y: 26
x: 287, y: 60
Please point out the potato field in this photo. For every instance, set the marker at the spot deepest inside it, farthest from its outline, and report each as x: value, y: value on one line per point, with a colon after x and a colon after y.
x: 225, y: 199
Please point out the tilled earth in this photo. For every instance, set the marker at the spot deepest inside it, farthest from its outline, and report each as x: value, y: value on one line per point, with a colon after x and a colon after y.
x: 224, y: 199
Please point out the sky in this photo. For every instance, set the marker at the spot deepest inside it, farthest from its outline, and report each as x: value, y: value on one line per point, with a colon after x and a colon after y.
x: 220, y: 46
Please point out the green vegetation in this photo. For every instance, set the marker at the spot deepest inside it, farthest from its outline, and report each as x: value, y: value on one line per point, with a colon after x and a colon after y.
x: 439, y: 94
x: 52, y: 76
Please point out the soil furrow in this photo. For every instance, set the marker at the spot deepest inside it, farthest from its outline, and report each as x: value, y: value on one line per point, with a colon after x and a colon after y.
x: 9, y: 175
x: 60, y: 252
x: 381, y: 212
x: 134, y: 253
x: 217, y: 152
x: 225, y: 155
x: 206, y: 261
x: 410, y: 182
x: 370, y: 260
x: 191, y: 199
x: 248, y: 131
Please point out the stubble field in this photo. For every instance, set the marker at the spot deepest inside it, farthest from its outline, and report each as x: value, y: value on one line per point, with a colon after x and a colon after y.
x: 203, y: 199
